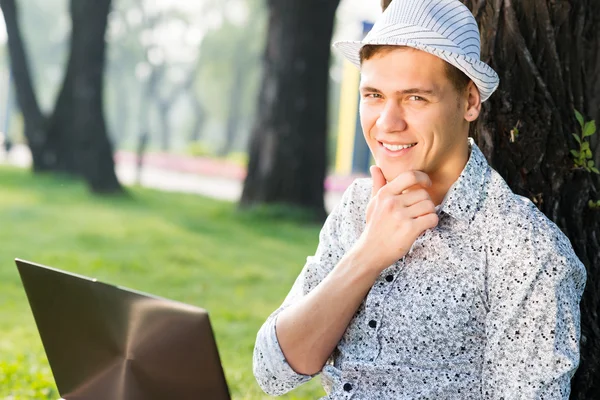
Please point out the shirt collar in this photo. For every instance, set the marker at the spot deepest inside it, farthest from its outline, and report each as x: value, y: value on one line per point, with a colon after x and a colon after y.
x: 463, y: 197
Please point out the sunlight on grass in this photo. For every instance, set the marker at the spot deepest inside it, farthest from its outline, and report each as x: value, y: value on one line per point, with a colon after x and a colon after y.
x: 184, y: 247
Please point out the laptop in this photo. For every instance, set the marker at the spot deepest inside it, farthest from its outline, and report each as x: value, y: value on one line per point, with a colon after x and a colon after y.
x: 106, y: 342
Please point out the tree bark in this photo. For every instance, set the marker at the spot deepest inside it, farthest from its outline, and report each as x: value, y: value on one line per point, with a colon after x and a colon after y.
x: 199, y: 116
x: 165, y: 103
x: 34, y: 120
x: 121, y: 107
x: 74, y: 139
x: 79, y: 114
x: 163, y: 108
x: 287, y: 148
x: 546, y: 53
x: 236, y: 94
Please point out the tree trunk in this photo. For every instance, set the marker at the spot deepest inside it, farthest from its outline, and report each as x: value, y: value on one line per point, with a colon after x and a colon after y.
x: 287, y: 148
x: 163, y: 108
x: 546, y: 53
x: 199, y: 118
x: 121, y: 109
x: 198, y: 111
x: 236, y: 95
x: 74, y: 138
x: 34, y: 120
x: 164, y: 105
x: 79, y: 110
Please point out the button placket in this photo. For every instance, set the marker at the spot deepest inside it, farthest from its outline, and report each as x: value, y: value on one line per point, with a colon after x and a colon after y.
x: 372, y: 327
x: 349, y: 385
x: 388, y: 276
x: 348, y: 390
x: 420, y: 240
x: 371, y: 322
x: 374, y: 307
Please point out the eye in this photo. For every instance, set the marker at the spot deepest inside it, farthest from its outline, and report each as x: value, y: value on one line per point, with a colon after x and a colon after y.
x: 373, y: 95
x: 416, y: 98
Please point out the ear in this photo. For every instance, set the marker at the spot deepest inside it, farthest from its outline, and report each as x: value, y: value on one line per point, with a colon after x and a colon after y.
x: 473, y: 102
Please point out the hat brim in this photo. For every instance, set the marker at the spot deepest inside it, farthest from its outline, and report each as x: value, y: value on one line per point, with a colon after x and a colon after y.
x: 482, y: 75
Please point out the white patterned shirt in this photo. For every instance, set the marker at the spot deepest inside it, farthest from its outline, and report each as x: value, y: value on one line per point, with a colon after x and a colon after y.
x: 484, y: 306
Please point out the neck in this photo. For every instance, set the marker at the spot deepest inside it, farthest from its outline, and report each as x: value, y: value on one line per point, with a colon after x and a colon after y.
x: 444, y: 178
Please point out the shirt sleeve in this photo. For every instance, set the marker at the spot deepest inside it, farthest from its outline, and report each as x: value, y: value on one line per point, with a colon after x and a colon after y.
x: 533, y: 325
x: 272, y: 371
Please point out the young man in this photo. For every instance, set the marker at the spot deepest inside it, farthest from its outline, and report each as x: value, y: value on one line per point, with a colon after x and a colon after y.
x: 432, y: 280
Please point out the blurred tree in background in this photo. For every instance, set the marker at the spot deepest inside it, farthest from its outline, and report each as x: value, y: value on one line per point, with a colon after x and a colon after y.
x: 244, y: 69
x: 73, y: 139
x: 231, y: 71
x: 170, y: 70
x: 288, y: 144
x: 183, y: 58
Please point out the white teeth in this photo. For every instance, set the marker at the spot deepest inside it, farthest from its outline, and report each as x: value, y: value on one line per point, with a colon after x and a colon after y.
x: 394, y: 147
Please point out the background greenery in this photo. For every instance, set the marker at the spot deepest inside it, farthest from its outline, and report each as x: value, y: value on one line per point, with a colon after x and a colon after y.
x: 184, y: 247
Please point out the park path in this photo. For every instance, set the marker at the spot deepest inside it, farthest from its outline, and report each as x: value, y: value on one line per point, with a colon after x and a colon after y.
x: 207, y: 177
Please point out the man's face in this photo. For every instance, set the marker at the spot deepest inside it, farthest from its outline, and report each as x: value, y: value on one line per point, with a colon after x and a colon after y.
x: 412, y: 116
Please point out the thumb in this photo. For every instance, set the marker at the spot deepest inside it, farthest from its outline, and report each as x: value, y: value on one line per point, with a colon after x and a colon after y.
x: 378, y: 179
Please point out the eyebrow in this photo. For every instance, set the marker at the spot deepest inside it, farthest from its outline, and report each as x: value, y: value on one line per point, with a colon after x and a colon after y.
x: 430, y: 92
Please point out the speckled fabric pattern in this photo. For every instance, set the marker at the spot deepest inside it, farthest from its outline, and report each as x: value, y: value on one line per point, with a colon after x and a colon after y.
x: 484, y: 306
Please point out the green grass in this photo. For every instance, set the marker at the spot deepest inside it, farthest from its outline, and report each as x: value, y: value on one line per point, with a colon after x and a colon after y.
x: 239, y: 266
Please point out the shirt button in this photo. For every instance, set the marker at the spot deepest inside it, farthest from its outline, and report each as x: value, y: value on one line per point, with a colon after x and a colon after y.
x: 389, y: 278
x: 347, y: 387
x: 373, y: 323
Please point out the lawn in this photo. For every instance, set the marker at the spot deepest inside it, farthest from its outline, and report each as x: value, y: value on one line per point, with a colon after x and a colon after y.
x: 238, y: 266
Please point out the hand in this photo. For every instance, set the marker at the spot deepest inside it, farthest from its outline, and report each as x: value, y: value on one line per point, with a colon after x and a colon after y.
x: 397, y: 214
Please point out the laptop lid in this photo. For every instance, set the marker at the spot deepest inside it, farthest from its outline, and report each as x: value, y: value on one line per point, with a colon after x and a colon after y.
x: 108, y: 342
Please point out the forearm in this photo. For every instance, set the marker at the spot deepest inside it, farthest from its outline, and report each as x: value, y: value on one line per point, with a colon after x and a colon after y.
x: 309, y: 330
x: 301, y: 335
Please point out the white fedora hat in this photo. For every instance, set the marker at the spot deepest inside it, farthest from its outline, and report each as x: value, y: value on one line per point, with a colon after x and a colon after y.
x: 444, y: 28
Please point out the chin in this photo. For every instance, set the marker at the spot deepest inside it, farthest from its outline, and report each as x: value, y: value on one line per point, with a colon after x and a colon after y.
x: 390, y: 174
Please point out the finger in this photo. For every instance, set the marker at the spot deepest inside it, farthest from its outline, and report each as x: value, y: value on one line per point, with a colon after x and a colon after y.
x: 427, y: 221
x: 413, y: 188
x: 378, y: 179
x: 408, y: 179
x: 414, y: 196
x: 421, y: 208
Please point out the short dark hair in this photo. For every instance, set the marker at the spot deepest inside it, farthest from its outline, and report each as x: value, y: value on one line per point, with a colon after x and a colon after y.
x: 459, y: 80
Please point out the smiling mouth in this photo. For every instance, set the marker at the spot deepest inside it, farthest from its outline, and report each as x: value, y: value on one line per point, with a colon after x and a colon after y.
x: 397, y: 147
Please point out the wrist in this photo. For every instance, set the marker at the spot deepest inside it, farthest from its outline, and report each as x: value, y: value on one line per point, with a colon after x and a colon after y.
x: 367, y: 258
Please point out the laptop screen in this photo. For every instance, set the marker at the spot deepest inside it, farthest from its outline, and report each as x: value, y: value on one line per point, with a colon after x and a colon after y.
x: 108, y: 342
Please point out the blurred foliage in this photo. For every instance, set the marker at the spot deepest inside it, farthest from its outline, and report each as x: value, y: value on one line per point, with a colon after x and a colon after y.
x: 45, y: 29
x: 184, y: 51
x: 171, y: 245
x: 182, y: 42
x: 199, y: 149
x: 239, y: 158
x: 195, y: 49
x: 233, y: 46
x: 26, y: 377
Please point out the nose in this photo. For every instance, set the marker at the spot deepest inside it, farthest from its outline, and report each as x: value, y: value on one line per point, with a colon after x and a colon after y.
x: 391, y: 118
